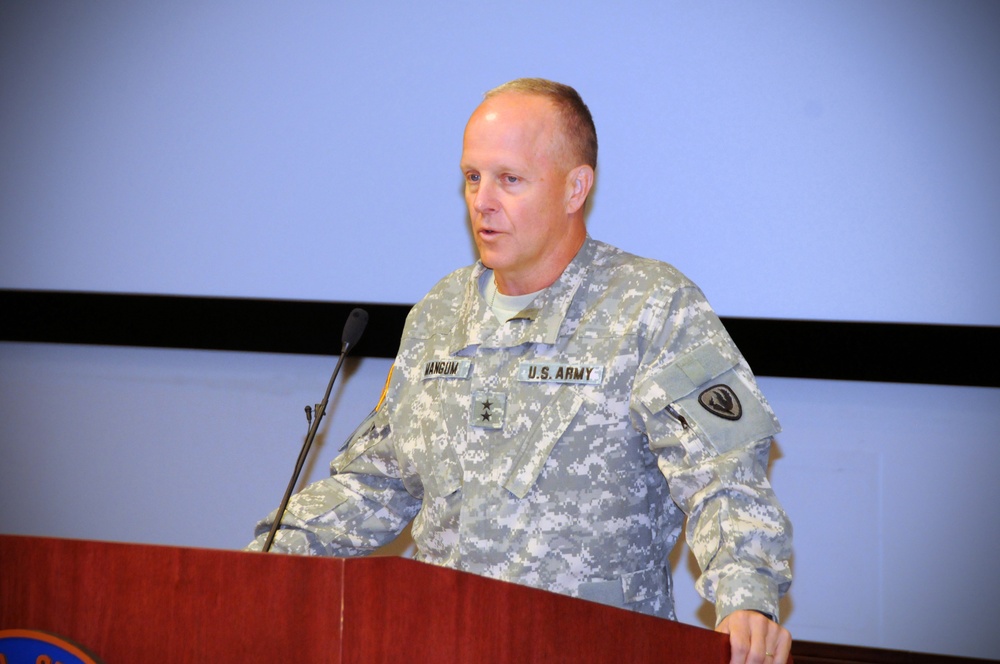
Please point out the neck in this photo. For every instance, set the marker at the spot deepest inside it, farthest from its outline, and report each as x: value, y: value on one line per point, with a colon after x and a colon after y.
x: 541, y: 276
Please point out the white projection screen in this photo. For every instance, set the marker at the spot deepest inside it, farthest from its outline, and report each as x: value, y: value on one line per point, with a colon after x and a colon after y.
x: 830, y: 160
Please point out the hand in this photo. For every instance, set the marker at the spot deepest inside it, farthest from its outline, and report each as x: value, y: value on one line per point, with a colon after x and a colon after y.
x: 755, y: 639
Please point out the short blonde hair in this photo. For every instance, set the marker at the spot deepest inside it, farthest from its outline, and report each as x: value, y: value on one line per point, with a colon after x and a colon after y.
x: 578, y: 124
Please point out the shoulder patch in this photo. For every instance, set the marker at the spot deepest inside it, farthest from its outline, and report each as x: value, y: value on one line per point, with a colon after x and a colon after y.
x: 722, y: 401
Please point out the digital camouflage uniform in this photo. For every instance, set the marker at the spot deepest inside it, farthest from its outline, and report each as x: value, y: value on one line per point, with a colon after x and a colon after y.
x: 535, y: 451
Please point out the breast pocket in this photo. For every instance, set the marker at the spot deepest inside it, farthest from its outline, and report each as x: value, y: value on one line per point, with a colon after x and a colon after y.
x: 430, y: 432
x: 553, y: 419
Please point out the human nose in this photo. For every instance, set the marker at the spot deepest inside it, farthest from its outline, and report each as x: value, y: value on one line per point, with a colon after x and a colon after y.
x: 484, y: 199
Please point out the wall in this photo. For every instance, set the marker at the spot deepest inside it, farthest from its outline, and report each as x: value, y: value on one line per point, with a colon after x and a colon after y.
x: 891, y: 488
x: 832, y: 159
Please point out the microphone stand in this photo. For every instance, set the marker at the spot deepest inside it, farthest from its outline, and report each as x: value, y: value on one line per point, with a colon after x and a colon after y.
x: 353, y: 328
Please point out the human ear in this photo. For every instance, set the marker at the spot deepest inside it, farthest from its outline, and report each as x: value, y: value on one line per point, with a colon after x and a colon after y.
x: 579, y: 182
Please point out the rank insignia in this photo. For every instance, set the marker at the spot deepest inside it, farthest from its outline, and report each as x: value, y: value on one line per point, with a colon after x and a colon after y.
x: 488, y: 410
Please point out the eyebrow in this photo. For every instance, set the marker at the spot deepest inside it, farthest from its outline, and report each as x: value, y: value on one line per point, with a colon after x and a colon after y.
x: 501, y: 168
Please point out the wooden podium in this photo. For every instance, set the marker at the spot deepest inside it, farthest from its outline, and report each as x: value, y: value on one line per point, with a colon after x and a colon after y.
x: 143, y: 603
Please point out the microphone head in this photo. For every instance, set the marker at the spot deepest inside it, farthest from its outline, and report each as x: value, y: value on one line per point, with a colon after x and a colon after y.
x: 353, y: 329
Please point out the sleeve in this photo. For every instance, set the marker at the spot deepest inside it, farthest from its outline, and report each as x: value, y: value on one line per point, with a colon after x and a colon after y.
x: 711, y: 429
x: 361, y: 506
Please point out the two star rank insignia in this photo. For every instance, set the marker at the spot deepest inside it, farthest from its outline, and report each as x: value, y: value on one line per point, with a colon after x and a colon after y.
x: 487, y: 410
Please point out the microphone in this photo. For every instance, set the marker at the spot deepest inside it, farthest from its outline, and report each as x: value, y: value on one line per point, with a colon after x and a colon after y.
x: 353, y: 329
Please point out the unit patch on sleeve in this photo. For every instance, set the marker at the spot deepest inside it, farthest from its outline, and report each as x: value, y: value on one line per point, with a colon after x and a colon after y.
x: 546, y: 372
x: 722, y: 401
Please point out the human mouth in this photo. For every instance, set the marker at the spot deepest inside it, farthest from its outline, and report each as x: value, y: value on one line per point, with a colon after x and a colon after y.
x: 488, y: 232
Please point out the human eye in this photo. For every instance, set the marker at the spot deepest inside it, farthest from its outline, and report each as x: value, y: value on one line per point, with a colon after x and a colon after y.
x: 510, y: 179
x: 472, y: 177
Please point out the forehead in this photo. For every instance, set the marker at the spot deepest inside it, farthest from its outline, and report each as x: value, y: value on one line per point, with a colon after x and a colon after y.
x: 513, y: 127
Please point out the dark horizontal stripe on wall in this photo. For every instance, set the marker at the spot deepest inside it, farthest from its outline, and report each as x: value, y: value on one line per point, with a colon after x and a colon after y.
x: 210, y: 323
x: 887, y: 352
x: 884, y: 352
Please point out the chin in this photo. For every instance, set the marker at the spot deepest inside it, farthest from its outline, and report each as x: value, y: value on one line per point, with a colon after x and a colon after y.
x: 488, y: 258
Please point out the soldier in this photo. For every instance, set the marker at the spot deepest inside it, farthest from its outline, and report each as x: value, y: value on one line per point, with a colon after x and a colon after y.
x: 558, y: 410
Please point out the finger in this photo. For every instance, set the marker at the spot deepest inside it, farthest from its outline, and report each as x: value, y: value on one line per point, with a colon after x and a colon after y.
x: 781, y: 645
x: 759, y: 631
x: 739, y: 645
x: 747, y: 636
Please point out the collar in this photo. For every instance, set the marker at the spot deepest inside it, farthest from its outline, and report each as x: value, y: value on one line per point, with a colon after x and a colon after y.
x: 538, y: 324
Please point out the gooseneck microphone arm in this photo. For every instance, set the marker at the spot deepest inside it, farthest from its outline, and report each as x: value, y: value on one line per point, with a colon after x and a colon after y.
x: 353, y: 329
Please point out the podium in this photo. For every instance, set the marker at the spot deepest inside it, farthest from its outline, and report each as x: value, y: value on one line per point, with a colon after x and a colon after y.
x: 150, y: 603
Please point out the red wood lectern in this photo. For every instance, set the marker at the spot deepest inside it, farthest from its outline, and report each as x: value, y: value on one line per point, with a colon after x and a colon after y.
x: 141, y: 603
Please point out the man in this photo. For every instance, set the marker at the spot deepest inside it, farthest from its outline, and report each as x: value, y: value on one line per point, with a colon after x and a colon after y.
x: 558, y: 409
